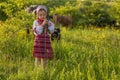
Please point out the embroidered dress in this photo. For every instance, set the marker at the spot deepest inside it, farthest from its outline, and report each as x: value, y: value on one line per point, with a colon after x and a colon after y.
x: 42, y: 45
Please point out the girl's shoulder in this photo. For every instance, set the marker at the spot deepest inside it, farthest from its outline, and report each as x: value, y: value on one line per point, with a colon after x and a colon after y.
x: 35, y: 21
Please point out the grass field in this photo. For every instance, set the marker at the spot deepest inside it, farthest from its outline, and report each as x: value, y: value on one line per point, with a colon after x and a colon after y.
x: 81, y: 54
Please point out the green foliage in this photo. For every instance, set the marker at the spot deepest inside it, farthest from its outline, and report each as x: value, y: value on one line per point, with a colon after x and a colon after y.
x: 3, y: 15
x: 97, y: 13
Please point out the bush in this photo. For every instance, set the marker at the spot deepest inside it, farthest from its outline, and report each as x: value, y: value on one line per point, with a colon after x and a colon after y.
x: 85, y: 13
x: 97, y: 13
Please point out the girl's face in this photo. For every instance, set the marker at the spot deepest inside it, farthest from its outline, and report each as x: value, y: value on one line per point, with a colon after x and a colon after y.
x: 42, y: 14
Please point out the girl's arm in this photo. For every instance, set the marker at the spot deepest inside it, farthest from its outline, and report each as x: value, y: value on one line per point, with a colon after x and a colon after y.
x: 37, y: 28
x: 51, y: 27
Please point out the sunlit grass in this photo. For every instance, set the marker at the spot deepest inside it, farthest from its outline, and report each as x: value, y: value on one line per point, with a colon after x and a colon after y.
x: 81, y: 54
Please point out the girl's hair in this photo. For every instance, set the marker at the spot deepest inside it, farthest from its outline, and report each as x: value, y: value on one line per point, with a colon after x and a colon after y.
x: 41, y: 7
x: 42, y: 10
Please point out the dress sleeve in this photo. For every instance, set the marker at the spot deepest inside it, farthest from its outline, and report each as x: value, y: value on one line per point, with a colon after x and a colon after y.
x: 37, y: 28
x: 51, y: 27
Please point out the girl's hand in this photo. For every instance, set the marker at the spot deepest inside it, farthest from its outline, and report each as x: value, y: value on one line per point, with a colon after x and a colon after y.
x: 49, y: 24
x: 45, y: 22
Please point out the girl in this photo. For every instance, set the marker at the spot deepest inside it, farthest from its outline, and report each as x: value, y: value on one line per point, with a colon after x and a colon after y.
x: 42, y: 45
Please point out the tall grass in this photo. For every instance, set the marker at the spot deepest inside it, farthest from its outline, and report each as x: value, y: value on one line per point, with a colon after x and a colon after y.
x: 81, y: 54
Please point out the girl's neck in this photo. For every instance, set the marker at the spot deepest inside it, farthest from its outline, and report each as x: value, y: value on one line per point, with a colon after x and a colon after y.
x: 40, y: 20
